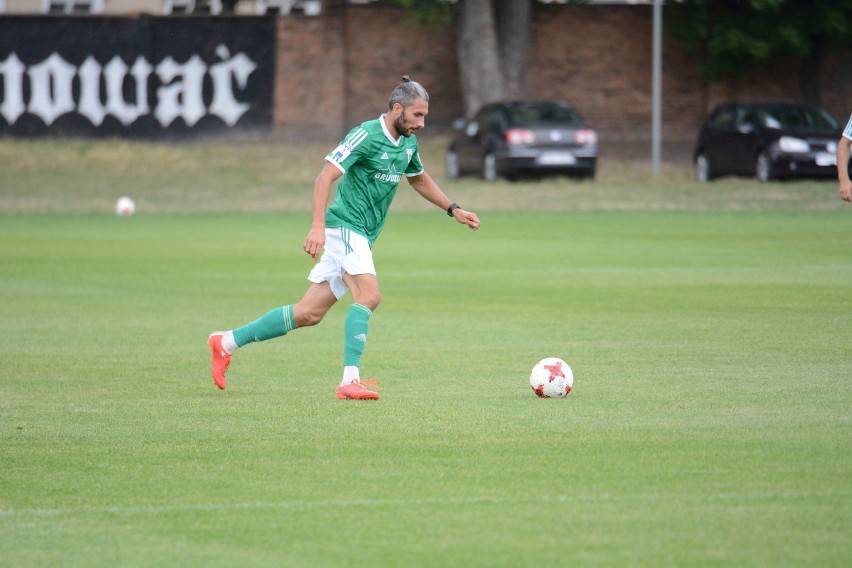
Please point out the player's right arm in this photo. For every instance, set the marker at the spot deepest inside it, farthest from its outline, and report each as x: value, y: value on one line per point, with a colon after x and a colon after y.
x: 322, y: 189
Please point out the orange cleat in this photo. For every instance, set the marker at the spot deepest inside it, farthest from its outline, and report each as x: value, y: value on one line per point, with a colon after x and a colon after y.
x: 356, y: 391
x: 221, y: 358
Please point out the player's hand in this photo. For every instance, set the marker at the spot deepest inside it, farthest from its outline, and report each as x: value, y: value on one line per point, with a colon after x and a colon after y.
x: 314, y: 242
x: 468, y: 218
x: 846, y: 191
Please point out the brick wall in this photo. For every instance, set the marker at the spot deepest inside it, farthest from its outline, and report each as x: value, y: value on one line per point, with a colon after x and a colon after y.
x: 337, y: 70
x: 310, y: 77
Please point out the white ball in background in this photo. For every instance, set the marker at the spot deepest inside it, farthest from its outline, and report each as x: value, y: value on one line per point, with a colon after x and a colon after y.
x: 125, y: 207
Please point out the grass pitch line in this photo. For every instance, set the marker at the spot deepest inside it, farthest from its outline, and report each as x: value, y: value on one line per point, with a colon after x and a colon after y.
x: 344, y: 503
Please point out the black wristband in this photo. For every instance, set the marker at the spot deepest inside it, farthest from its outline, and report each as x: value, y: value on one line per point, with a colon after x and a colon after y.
x: 453, y: 206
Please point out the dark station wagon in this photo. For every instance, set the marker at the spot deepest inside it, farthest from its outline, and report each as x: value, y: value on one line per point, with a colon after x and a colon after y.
x: 520, y: 139
x: 768, y: 141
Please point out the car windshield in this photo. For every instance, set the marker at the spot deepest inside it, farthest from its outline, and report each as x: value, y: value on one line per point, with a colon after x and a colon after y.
x: 539, y: 112
x: 787, y: 117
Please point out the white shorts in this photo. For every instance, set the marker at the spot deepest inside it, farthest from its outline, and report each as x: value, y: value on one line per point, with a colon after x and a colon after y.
x: 344, y: 251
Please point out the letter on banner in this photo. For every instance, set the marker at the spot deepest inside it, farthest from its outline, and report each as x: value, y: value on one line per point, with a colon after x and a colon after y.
x: 50, y: 83
x: 182, y: 98
x: 90, y: 91
x: 224, y: 105
x: 12, y: 71
x: 115, y: 72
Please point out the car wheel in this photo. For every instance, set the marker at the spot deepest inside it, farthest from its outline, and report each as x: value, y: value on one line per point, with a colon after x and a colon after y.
x: 489, y: 168
x: 763, y: 168
x: 701, y: 168
x: 452, y: 162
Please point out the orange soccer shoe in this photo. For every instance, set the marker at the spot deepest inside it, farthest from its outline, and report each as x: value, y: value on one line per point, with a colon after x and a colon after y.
x: 356, y: 391
x: 221, y: 359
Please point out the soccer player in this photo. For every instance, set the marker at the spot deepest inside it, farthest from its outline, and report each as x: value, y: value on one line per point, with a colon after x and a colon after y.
x: 369, y: 162
x: 843, y: 162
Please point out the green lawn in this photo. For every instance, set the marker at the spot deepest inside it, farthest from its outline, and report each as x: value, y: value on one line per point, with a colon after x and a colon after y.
x: 709, y: 424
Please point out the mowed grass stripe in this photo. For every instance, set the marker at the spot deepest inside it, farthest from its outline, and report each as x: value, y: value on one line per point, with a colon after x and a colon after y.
x: 344, y: 503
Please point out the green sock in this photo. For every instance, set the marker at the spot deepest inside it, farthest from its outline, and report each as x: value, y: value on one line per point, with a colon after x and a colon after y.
x: 274, y: 323
x: 355, y: 334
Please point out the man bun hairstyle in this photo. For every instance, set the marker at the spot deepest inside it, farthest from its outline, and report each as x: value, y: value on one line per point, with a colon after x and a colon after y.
x: 407, y: 92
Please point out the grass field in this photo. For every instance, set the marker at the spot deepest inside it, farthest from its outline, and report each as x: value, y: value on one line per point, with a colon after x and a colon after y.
x: 707, y: 326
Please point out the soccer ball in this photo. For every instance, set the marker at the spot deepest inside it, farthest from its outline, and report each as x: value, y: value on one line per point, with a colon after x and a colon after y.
x: 125, y: 207
x: 551, y: 377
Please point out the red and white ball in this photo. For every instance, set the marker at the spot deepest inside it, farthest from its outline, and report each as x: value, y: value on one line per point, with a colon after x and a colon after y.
x: 125, y: 207
x: 552, y: 378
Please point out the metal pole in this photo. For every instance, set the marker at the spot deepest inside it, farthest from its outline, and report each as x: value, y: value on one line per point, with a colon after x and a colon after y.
x: 657, y: 94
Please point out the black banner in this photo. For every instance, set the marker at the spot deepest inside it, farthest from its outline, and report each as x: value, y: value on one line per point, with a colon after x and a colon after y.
x: 136, y: 77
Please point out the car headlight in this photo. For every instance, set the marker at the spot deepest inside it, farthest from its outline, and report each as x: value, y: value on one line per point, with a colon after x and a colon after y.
x: 793, y: 145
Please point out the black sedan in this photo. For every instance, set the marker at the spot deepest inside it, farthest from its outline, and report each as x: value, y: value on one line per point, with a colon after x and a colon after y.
x: 515, y: 139
x: 768, y: 141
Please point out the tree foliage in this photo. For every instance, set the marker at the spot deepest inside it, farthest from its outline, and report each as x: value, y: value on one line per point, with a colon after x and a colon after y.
x: 439, y: 15
x: 735, y: 37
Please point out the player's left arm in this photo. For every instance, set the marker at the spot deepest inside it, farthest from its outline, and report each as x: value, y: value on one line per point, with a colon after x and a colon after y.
x: 843, y: 168
x: 429, y: 190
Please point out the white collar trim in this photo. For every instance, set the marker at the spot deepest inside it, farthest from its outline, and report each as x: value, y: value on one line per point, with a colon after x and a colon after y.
x: 387, y: 132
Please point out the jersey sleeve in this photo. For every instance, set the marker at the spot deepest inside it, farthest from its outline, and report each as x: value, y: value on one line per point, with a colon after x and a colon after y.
x: 847, y: 132
x: 415, y: 166
x: 350, y: 150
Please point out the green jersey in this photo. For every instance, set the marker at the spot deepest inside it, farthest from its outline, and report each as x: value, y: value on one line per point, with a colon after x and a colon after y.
x: 373, y: 164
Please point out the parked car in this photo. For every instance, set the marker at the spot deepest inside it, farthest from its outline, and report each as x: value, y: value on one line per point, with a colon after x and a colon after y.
x: 514, y: 139
x: 767, y: 140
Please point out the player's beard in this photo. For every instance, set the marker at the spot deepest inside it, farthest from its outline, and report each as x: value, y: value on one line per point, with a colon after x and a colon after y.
x: 399, y: 126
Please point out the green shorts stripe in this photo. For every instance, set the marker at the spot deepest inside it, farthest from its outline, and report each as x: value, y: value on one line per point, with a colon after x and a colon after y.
x: 344, y: 235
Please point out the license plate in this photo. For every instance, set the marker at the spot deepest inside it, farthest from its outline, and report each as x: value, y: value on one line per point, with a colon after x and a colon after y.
x: 556, y: 159
x: 826, y: 159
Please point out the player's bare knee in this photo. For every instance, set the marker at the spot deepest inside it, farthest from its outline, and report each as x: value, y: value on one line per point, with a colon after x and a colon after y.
x: 371, y: 300
x: 307, y: 317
